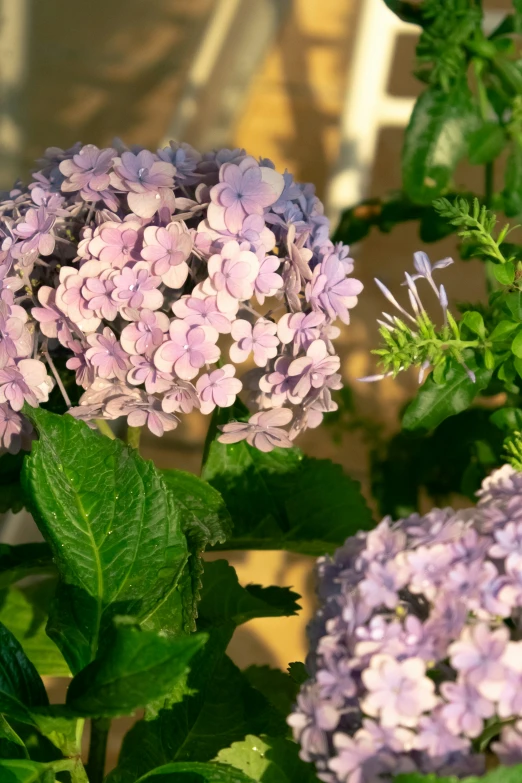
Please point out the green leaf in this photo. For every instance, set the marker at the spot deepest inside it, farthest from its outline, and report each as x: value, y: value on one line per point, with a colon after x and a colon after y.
x: 272, y: 760
x: 516, y: 345
x: 20, y: 685
x: 507, y: 419
x: 8, y: 738
x: 475, y: 322
x: 512, y: 193
x: 195, y: 772
x: 278, y: 687
x: 285, y: 500
x: 24, y: 611
x: 497, y: 775
x: 26, y: 771
x: 17, y: 562
x: 297, y: 672
x: 201, y: 513
x: 12, y: 497
x: 503, y: 330
x: 504, y: 273
x: 110, y: 523
x: 486, y: 143
x: 435, y: 402
x: 137, y: 667
x: 223, y: 599
x: 513, y: 302
x: 217, y: 706
x: 199, y: 508
x: 436, y: 139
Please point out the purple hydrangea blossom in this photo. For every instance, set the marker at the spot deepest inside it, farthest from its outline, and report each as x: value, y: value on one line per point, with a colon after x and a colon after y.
x: 259, y: 339
x: 136, y: 263
x: 408, y: 639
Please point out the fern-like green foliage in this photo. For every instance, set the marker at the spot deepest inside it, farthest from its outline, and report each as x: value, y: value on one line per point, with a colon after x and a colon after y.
x: 475, y: 222
x: 442, y: 51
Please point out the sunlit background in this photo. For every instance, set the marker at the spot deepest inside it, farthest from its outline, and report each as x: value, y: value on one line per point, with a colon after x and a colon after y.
x: 322, y: 87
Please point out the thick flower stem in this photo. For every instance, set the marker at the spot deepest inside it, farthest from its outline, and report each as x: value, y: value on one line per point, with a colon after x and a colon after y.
x: 98, y: 749
x: 133, y: 437
x: 105, y: 428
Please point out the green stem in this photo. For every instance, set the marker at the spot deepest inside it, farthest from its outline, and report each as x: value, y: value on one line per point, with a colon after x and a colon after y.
x: 104, y: 428
x: 98, y: 749
x: 74, y: 767
x: 133, y: 437
x: 489, y: 177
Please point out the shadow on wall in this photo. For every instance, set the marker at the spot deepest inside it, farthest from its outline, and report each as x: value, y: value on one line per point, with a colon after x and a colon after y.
x: 114, y: 70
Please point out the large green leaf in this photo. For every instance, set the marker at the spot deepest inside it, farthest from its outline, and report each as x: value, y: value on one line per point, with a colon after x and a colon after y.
x: 512, y: 192
x: 24, y: 611
x: 12, y: 497
x: 110, y: 523
x: 17, y: 562
x: 20, y: 685
x: 202, y: 515
x: 195, y: 772
x: 278, y: 687
x: 435, y: 140
x: 269, y: 759
x: 137, y: 667
x: 285, y: 500
x: 224, y: 599
x: 185, y: 726
x: 497, y: 775
x: 435, y: 402
x: 26, y: 771
x: 215, y: 707
x: 486, y: 143
x: 200, y: 509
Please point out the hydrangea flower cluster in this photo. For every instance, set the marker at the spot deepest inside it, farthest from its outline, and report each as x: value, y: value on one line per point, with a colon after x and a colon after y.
x: 416, y: 656
x: 154, y: 275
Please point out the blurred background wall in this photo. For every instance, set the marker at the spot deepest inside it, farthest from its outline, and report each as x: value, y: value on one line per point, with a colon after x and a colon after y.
x: 268, y: 75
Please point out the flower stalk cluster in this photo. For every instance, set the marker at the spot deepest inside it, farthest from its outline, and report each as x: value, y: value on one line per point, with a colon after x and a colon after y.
x: 416, y: 661
x: 412, y: 339
x: 153, y: 276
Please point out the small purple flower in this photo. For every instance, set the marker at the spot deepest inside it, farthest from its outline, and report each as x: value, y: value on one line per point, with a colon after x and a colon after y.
x: 218, y: 388
x: 35, y: 233
x: 146, y: 333
x: 181, y: 397
x: 244, y: 189
x: 263, y: 430
x: 202, y: 311
x: 52, y: 321
x: 15, y: 430
x: 398, y: 692
x: 136, y: 288
x: 331, y: 292
x: 268, y: 282
x: 26, y: 381
x: 478, y: 656
x: 88, y: 168
x: 107, y: 356
x: 168, y: 250
x: 16, y: 341
x: 465, y: 710
x: 146, y: 179
x: 259, y: 339
x: 232, y: 273
x: 117, y: 244
x: 98, y: 291
x: 184, y: 158
x: 187, y: 350
x: 315, y: 717
x: 301, y: 329
x: 382, y: 584
x: 311, y: 371
x: 80, y: 365
x: 146, y: 412
x: 145, y: 372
